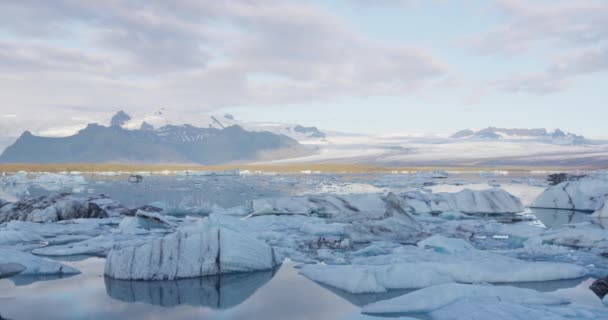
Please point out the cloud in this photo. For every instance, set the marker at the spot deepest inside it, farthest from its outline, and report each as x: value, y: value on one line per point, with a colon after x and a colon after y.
x: 194, y: 55
x: 574, y: 32
x: 566, y: 23
x: 561, y: 73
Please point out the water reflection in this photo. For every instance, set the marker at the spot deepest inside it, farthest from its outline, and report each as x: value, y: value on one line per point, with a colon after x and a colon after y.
x: 216, y: 292
x: 362, y: 299
x: 555, y: 218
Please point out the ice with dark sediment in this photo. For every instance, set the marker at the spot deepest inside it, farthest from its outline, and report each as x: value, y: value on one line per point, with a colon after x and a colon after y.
x: 192, y: 252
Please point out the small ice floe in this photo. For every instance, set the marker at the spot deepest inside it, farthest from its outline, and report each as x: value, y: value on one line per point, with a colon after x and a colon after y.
x: 135, y: 178
x: 438, y: 260
x: 34, y: 265
x: 187, y: 254
x: 587, y: 194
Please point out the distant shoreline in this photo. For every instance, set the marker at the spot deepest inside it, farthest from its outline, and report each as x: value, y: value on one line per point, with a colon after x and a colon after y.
x: 266, y: 168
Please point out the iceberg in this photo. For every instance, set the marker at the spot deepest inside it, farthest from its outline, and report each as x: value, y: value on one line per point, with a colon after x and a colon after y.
x: 34, y: 265
x: 587, y: 194
x: 436, y: 297
x: 445, y: 261
x: 57, y: 207
x: 489, y: 201
x: 186, y: 254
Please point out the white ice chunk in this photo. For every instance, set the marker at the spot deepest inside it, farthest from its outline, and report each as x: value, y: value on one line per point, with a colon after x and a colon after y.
x: 489, y: 201
x: 448, y: 261
x: 444, y: 244
x: 186, y: 255
x: 586, y: 194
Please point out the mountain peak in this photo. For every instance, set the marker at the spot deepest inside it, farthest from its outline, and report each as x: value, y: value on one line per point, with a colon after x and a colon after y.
x: 119, y: 119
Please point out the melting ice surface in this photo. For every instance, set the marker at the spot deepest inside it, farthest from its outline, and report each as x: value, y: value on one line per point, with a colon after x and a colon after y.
x: 285, y: 293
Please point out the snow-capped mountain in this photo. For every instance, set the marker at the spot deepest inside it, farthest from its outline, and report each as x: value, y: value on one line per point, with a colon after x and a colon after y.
x: 556, y: 136
x: 164, y: 117
x: 166, y: 144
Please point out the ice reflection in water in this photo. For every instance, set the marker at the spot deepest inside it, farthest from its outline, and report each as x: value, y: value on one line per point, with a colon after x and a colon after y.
x: 216, y: 292
x: 556, y: 218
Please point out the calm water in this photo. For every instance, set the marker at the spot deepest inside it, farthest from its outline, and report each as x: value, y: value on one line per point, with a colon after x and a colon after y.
x: 266, y: 295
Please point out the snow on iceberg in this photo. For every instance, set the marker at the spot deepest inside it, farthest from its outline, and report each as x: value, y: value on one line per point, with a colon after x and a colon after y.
x: 191, y: 254
x: 447, y: 261
x: 34, y: 265
x: 436, y: 297
x: 586, y: 194
x: 489, y: 201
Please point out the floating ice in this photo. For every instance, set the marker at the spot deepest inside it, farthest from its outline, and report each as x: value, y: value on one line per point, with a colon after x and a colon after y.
x: 34, y: 265
x: 489, y: 201
x: 191, y: 254
x: 586, y: 194
x: 56, y: 207
x: 10, y: 269
x: 448, y: 261
x: 436, y: 297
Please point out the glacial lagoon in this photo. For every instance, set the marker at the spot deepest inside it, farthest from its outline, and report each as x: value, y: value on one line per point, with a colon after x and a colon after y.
x: 282, y: 293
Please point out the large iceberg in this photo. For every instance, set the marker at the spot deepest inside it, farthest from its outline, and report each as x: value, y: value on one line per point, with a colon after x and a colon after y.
x: 489, y: 201
x: 188, y: 254
x: 438, y: 260
x: 586, y: 194
x: 34, y: 265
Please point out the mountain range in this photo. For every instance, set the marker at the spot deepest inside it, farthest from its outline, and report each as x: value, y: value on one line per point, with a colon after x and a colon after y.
x: 167, y: 144
x: 556, y: 136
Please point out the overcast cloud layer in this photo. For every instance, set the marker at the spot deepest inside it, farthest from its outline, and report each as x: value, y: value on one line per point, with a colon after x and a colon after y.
x: 64, y: 63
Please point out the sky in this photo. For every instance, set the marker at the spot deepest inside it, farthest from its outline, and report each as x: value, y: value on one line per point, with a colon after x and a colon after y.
x: 378, y: 67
